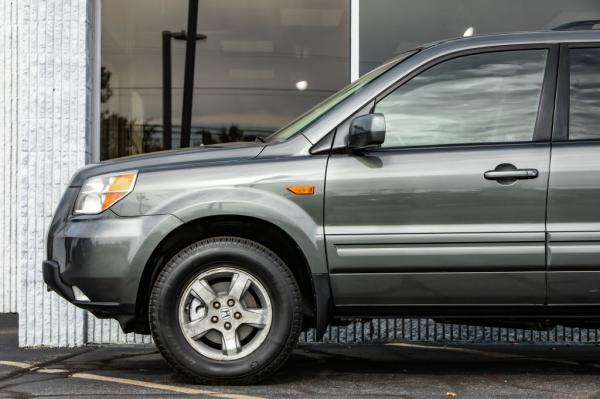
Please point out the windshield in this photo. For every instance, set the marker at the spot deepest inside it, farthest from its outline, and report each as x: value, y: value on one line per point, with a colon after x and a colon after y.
x: 315, y: 113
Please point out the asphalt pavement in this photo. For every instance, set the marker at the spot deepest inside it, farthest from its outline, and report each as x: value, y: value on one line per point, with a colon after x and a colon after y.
x: 403, y: 369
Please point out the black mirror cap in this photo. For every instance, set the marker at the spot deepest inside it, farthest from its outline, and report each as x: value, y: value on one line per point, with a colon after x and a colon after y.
x: 366, y: 131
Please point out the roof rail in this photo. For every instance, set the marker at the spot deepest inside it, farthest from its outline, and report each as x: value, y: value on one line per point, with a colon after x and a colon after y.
x: 593, y: 24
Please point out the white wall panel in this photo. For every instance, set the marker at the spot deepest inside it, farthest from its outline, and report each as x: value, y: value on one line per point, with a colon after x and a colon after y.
x: 50, y: 130
x: 109, y: 332
x: 46, y: 102
x: 8, y: 155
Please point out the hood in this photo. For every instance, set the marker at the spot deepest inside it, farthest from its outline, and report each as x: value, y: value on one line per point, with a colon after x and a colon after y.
x: 180, y: 158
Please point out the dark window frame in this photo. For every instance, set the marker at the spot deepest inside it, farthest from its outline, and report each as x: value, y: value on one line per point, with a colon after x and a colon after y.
x: 560, y: 129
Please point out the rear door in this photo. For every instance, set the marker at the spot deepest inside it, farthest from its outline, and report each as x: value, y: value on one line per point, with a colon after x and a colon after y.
x: 451, y: 209
x: 574, y: 188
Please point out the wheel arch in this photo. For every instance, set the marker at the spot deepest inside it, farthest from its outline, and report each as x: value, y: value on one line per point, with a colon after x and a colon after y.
x: 315, y: 289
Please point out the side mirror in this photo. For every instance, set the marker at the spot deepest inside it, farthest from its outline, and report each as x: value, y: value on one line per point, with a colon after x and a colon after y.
x: 366, y: 131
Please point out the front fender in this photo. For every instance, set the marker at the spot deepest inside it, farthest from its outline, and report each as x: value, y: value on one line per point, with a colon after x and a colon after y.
x: 250, y: 202
x: 278, y: 210
x: 201, y: 202
x: 254, y: 189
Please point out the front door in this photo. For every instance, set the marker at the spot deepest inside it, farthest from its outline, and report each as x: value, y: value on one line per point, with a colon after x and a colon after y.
x: 451, y: 209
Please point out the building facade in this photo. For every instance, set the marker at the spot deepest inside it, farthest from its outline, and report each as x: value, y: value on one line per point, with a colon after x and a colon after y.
x: 84, y: 81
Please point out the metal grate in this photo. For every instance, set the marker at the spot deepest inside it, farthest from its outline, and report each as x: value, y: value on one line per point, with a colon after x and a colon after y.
x: 387, y: 330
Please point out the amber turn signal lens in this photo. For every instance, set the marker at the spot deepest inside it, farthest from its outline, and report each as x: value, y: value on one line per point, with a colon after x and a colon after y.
x: 119, y: 187
x: 302, y: 190
x: 122, y: 183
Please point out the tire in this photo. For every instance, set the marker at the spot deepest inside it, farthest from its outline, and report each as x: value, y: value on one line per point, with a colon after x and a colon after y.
x: 179, y: 315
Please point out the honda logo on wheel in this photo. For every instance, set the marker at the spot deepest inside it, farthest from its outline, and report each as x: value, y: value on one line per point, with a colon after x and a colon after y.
x: 225, y: 314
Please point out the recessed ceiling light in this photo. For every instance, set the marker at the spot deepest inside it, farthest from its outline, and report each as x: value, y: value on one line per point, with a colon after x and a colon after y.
x: 469, y: 32
x: 302, y: 85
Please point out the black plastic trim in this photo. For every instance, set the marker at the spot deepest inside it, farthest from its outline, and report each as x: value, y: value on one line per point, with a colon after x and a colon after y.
x: 587, y: 24
x: 324, y: 303
x: 563, y: 93
x: 323, y: 146
x: 51, y: 273
x: 544, y: 119
x: 50, y: 270
x: 560, y: 126
x: 471, y: 311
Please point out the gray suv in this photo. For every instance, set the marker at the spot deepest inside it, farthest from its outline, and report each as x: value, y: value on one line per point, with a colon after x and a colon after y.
x: 459, y: 181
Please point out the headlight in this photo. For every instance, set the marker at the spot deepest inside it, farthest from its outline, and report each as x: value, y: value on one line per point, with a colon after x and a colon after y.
x: 101, y: 192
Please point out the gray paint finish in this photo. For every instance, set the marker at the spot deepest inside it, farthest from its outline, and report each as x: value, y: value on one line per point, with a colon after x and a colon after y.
x: 443, y: 289
x: 574, y: 224
x: 244, y: 187
x: 440, y: 199
x: 436, y: 190
x: 100, y: 248
x: 574, y: 190
x: 581, y: 287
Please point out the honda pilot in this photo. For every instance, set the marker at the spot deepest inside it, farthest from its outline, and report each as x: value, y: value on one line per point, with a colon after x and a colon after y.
x: 459, y: 181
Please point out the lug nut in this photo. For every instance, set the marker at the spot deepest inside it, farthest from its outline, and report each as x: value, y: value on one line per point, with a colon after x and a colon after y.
x: 216, y: 305
x: 227, y: 326
x: 214, y: 319
x: 237, y: 315
x: 230, y: 302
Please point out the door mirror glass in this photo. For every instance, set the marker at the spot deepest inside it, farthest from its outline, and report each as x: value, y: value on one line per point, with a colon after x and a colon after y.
x: 366, y: 131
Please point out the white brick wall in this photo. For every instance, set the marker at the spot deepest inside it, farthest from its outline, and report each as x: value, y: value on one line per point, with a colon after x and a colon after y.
x: 46, y: 50
x: 44, y: 96
x: 8, y: 156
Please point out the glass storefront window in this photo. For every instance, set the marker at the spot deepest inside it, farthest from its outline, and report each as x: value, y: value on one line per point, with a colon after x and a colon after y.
x: 390, y: 27
x: 263, y: 63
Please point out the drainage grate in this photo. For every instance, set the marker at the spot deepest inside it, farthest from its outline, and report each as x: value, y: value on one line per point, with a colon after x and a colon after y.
x: 387, y: 330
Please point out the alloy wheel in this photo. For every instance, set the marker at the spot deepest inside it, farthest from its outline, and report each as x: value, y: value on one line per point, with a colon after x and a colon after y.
x: 225, y: 313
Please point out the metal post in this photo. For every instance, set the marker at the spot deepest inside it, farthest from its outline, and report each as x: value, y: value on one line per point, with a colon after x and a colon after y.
x: 188, y: 79
x: 167, y: 93
x: 354, y: 40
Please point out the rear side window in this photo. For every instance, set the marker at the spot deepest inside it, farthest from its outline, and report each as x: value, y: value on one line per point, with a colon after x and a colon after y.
x: 482, y: 98
x: 584, y: 107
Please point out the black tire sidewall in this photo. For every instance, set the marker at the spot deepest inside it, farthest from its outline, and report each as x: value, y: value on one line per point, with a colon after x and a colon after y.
x: 203, y: 256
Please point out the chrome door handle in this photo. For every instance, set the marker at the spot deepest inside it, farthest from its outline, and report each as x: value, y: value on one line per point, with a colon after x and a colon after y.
x: 511, y: 174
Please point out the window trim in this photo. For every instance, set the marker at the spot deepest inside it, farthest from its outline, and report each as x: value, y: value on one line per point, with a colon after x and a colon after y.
x: 543, y: 124
x: 560, y: 129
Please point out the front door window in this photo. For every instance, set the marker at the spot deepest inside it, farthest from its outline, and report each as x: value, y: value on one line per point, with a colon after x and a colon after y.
x: 481, y: 98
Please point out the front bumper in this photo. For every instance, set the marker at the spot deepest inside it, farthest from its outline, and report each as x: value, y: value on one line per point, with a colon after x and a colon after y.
x: 101, y: 309
x: 104, y: 257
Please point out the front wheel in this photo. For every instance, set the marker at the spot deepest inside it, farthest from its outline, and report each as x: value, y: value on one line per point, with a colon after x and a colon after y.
x: 225, y: 311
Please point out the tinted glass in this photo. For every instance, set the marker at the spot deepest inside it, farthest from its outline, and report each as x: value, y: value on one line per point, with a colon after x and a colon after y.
x: 389, y: 27
x: 481, y: 98
x: 584, y: 110
x: 263, y: 63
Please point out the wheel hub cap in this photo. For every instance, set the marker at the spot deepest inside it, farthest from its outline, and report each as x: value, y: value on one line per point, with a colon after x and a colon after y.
x: 225, y: 313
